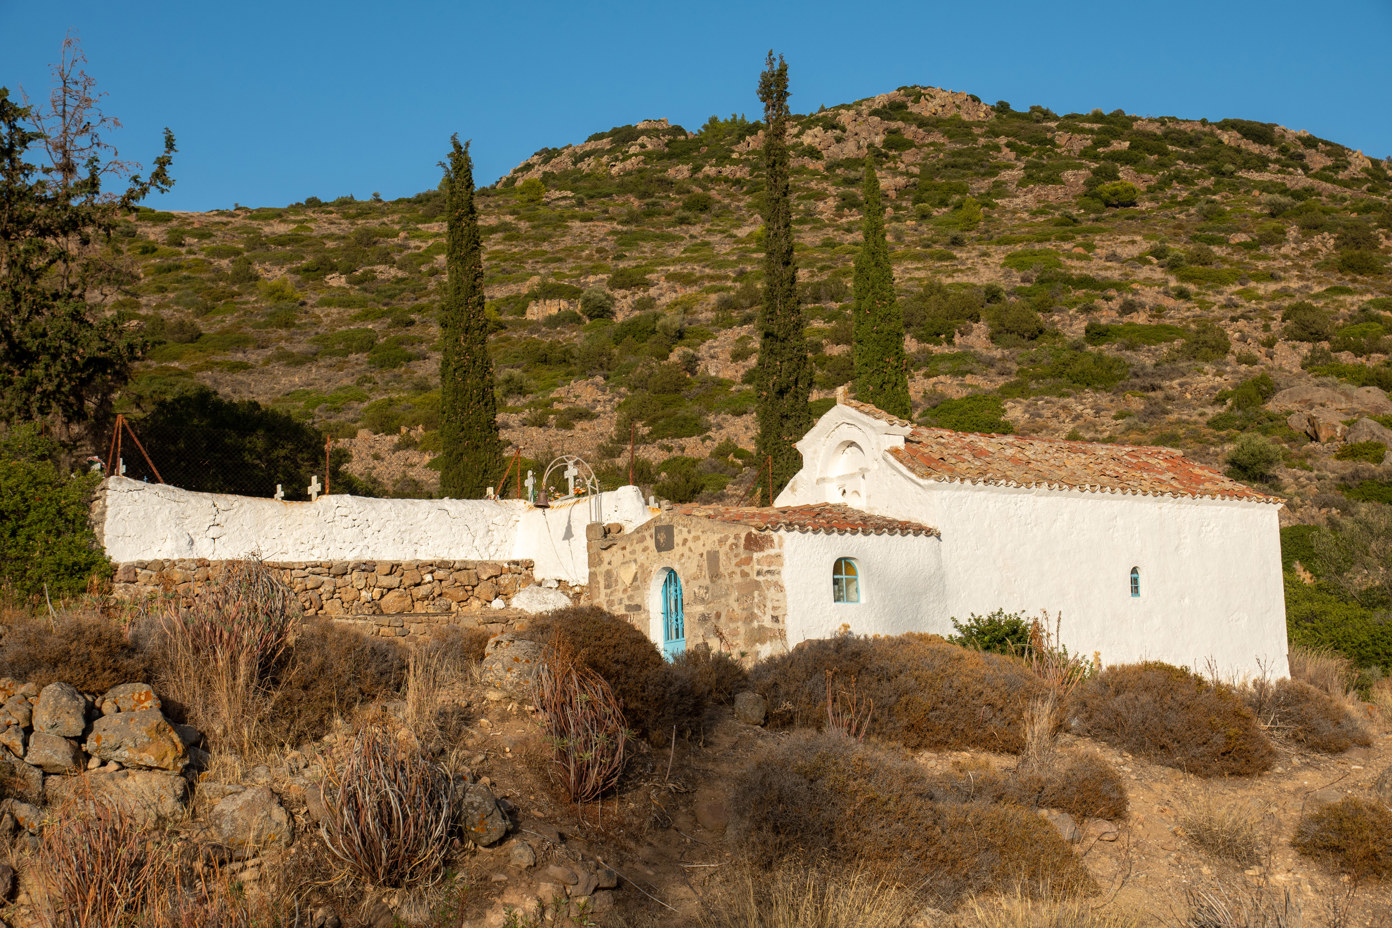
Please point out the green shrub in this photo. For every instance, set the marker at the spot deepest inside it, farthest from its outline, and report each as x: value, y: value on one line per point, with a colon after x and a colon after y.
x: 1117, y: 194
x: 1318, y: 618
x: 1015, y: 322
x: 1253, y: 459
x: 926, y: 693
x: 657, y: 698
x: 46, y: 541
x: 629, y: 278
x: 829, y: 797
x: 1306, y: 322
x: 1371, y: 452
x: 597, y: 303
x: 981, y: 412
x: 1000, y: 632
x: 1353, y: 835
x: 1305, y: 715
x: 1174, y: 717
x: 1206, y: 342
x: 1131, y: 334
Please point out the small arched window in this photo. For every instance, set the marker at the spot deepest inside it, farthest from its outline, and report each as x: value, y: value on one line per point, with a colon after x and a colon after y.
x: 845, y: 581
x: 1135, y: 581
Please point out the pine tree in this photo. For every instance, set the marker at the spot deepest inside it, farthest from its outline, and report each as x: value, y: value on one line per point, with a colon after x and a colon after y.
x: 881, y: 368
x: 785, y: 371
x: 470, y: 450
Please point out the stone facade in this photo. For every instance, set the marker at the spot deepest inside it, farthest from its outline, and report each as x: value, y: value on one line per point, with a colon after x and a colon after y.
x: 393, y: 598
x: 732, y: 581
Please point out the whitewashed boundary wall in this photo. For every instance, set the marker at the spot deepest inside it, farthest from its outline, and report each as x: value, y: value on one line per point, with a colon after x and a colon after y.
x: 142, y: 522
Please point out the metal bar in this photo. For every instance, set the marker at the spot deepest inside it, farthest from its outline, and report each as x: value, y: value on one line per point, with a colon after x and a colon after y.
x: 154, y: 469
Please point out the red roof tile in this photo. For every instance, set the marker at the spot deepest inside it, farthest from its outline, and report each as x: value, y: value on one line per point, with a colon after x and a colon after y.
x: 818, y: 519
x: 1013, y: 460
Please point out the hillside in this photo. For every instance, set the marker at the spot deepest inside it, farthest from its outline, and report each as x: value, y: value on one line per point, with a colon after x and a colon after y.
x: 1098, y: 276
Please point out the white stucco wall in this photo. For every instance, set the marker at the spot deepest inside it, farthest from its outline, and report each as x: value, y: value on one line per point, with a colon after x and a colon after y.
x: 1210, y: 570
x: 901, y: 585
x: 147, y: 521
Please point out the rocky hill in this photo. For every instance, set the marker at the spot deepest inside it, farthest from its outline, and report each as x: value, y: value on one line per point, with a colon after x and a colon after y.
x: 1099, y: 276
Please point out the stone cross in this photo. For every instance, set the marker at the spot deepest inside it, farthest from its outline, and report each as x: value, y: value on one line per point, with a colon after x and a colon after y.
x: 280, y: 492
x: 490, y: 494
x: 314, y: 488
x: 530, y: 484
x: 571, y: 472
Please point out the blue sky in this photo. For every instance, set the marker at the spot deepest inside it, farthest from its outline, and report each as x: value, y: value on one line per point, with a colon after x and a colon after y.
x: 274, y: 102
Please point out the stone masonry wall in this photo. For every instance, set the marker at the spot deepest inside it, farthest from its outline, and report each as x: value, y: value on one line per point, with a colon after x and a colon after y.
x: 732, y: 581
x: 392, y: 598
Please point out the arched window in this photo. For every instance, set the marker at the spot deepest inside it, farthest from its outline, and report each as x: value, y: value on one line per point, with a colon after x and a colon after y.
x: 1135, y: 581
x: 845, y: 581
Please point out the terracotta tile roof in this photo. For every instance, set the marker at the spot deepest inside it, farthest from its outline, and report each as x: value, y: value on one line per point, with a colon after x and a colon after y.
x: 817, y: 519
x: 1014, y: 460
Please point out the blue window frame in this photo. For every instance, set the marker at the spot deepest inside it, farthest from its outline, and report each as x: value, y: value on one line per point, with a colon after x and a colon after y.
x: 1136, y: 582
x: 673, y: 616
x: 845, y: 581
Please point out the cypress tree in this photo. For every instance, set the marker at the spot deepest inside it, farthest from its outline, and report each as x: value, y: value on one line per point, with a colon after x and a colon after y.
x: 471, y: 451
x: 881, y: 368
x: 785, y: 371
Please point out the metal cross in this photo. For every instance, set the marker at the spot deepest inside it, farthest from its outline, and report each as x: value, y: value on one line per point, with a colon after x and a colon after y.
x: 530, y: 484
x: 571, y: 472
x: 314, y: 488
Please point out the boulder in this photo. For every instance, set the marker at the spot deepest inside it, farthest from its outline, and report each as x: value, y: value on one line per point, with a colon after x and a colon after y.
x: 536, y: 599
x: 250, y: 820
x: 751, y: 708
x: 61, y: 711
x: 14, y: 738
x: 22, y: 780
x: 53, y: 754
x: 17, y: 711
x: 1368, y: 430
x: 396, y: 602
x: 711, y: 812
x: 130, y: 697
x: 1321, y: 425
x: 1341, y: 398
x: 26, y: 815
x: 482, y: 821
x: 151, y: 797
x: 510, y: 662
x: 138, y: 739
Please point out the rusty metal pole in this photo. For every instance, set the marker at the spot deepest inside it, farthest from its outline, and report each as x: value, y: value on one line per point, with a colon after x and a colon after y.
x: 115, y: 436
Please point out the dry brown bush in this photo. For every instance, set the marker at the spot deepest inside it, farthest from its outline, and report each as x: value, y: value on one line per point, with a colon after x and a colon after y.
x: 1381, y: 696
x: 1304, y: 715
x: 1227, y: 906
x: 457, y: 644
x: 657, y: 698
x: 1325, y: 670
x: 1353, y: 835
x: 84, y: 649
x: 1079, y: 782
x: 715, y: 676
x: 847, y: 804
x: 799, y: 895
x: 1233, y: 831
x: 926, y: 693
x: 1174, y: 717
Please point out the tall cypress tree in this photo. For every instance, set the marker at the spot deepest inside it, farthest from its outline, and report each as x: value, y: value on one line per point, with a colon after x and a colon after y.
x: 785, y: 371
x: 881, y: 367
x: 471, y: 451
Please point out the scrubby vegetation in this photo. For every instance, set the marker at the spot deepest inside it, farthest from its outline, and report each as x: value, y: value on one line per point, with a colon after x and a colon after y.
x: 1175, y: 717
x: 1352, y: 835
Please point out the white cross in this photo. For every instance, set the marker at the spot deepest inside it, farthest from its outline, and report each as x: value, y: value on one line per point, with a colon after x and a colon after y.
x: 490, y: 494
x: 279, y: 493
x: 530, y: 483
x: 571, y: 472
x: 121, y: 467
x: 314, y: 488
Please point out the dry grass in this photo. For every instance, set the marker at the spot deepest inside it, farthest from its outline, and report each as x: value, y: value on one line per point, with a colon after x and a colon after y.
x: 1327, y: 671
x: 1041, y: 725
x: 1019, y: 910
x: 1224, y: 906
x: 584, y: 724
x: 79, y: 647
x: 389, y: 809
x: 1304, y: 715
x: 803, y: 896
x: 1381, y: 696
x: 1234, y: 831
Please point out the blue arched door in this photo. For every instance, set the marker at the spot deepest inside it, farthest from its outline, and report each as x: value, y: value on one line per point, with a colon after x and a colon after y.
x: 673, y: 620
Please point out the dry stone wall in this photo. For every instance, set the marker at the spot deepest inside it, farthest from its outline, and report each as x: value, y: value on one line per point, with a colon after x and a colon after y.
x: 389, y: 598
x: 732, y: 581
